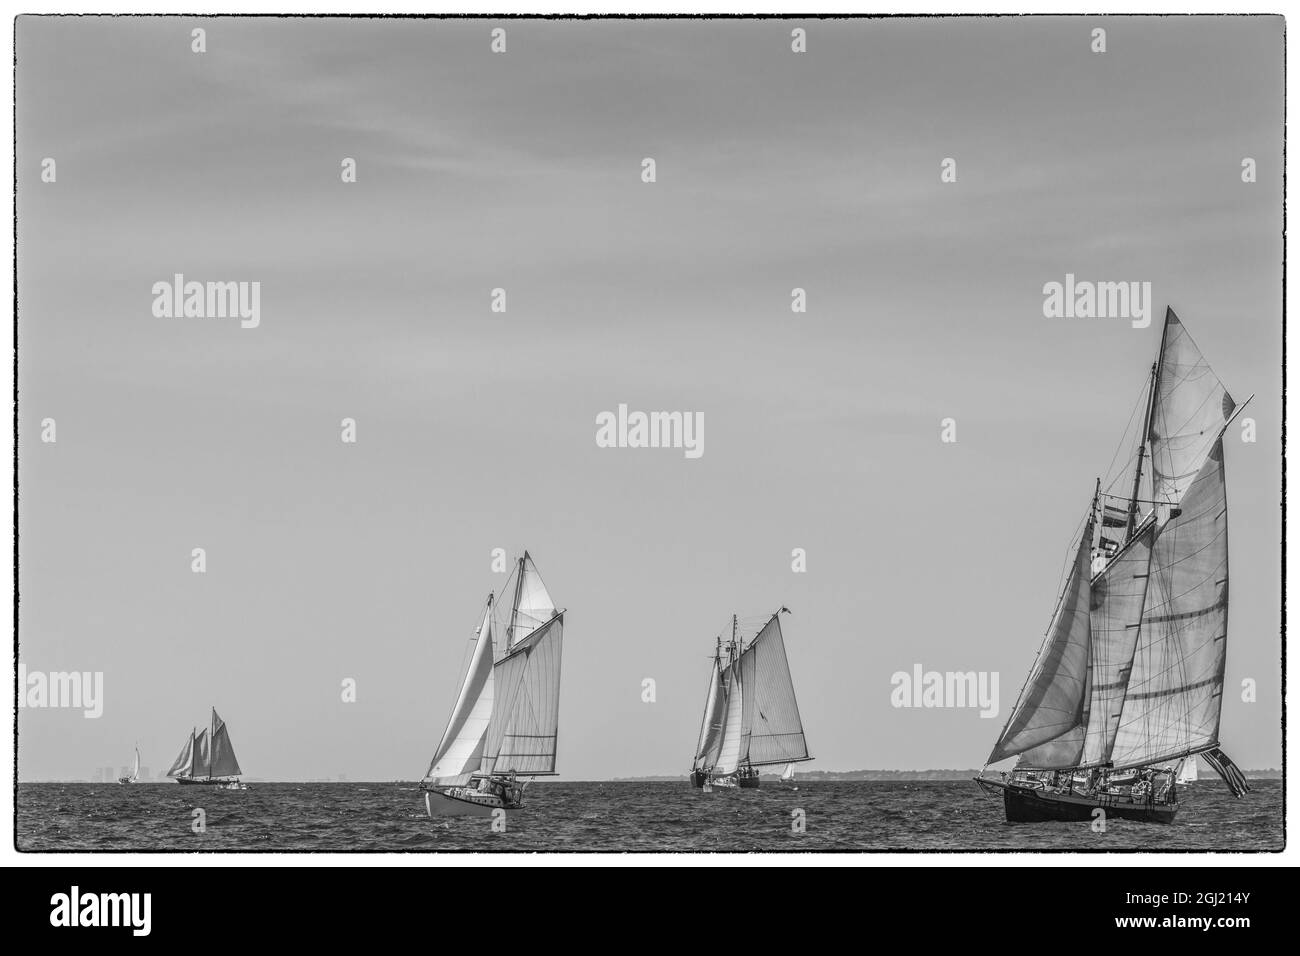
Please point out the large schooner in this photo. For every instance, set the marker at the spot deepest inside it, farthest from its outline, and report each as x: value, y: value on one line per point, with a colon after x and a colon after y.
x: 751, y: 718
x: 1128, y: 684
x: 208, y: 760
x: 505, y: 721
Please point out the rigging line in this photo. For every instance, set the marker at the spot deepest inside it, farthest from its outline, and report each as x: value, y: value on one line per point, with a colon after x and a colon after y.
x: 1124, y: 434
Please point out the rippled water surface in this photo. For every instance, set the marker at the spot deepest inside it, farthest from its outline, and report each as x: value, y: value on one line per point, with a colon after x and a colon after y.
x: 586, y: 817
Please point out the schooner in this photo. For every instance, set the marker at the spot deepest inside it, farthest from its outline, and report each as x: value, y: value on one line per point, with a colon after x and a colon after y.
x: 208, y: 759
x: 1128, y: 684
x: 751, y: 718
x: 505, y: 721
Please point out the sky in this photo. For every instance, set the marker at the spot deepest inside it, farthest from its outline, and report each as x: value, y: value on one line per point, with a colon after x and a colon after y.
x: 329, y: 561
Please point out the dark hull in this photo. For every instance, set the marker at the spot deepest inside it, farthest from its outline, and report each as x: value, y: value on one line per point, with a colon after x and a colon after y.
x: 1031, y: 805
x: 748, y: 783
x: 698, y: 777
x: 208, y: 782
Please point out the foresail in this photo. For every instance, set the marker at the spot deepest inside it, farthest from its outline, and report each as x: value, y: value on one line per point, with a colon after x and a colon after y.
x: 729, y: 748
x: 181, y: 765
x: 1052, y: 713
x: 1190, y: 410
x: 224, y: 763
x: 771, y: 729
x: 533, y: 606
x: 525, y: 728
x: 706, y: 749
x: 1114, y: 620
x: 1176, y: 686
x: 201, y: 766
x: 460, y: 751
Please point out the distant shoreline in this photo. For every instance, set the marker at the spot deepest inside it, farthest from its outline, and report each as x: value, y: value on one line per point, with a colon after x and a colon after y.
x: 810, y: 776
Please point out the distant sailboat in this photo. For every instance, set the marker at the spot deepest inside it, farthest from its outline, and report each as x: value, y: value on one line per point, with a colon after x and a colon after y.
x: 1187, y: 772
x: 505, y: 721
x: 787, y: 775
x: 1129, y: 679
x: 751, y: 717
x: 135, y: 771
x: 208, y: 760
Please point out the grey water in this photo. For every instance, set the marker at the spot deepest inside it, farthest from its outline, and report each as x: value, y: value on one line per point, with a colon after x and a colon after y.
x: 614, y: 817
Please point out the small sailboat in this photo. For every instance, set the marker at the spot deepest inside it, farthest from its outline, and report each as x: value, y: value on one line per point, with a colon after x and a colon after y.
x: 787, y: 775
x: 751, y: 718
x: 1128, y: 682
x: 505, y: 722
x: 208, y: 760
x: 135, y: 770
x: 1187, y: 772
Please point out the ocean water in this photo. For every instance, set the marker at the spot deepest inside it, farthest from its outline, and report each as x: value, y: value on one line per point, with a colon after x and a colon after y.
x: 613, y: 817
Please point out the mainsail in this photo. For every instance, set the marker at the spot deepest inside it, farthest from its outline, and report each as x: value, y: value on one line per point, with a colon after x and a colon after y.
x: 506, y: 716
x: 1131, y: 674
x: 1172, y: 700
x: 771, y: 728
x: 224, y: 763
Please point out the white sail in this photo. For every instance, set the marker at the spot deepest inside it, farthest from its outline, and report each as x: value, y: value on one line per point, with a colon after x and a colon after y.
x: 200, y: 767
x: 788, y: 772
x: 732, y: 727
x: 1115, y: 618
x: 771, y: 729
x: 524, y: 728
x: 715, y: 704
x: 1187, y: 772
x: 135, y: 769
x: 460, y: 752
x: 184, y: 761
x: 1174, y: 692
x: 223, y: 763
x: 529, y: 744
x: 1190, y: 410
x: 533, y: 606
x: 1048, y: 723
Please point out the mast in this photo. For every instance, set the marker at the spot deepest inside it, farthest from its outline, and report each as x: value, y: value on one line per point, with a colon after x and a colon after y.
x: 1142, y: 450
x: 514, y: 607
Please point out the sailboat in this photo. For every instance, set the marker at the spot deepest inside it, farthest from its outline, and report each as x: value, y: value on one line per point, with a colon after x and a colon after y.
x: 1187, y: 772
x: 1129, y: 679
x: 787, y: 775
x: 505, y: 721
x: 208, y: 759
x: 751, y: 718
x: 135, y: 770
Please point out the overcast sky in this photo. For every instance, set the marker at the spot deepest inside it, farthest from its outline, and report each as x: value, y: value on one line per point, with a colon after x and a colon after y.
x: 476, y: 430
